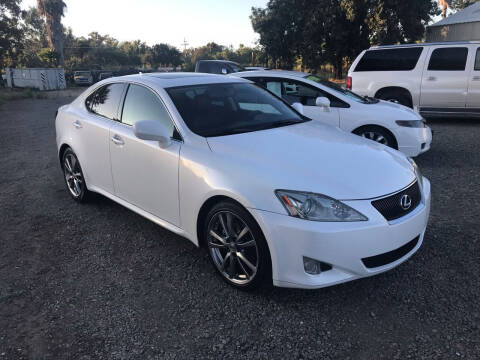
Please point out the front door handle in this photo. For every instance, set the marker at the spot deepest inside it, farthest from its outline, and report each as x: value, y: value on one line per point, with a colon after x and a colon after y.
x: 431, y: 78
x: 117, y: 140
x: 77, y: 124
x: 476, y: 78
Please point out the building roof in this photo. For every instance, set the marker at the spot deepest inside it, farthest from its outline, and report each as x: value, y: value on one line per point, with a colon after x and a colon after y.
x: 469, y: 14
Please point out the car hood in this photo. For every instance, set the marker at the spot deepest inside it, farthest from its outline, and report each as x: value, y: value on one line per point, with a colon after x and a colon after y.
x: 398, y: 111
x: 316, y: 158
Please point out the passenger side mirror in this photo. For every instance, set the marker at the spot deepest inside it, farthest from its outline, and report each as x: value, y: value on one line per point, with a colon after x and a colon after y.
x: 323, y: 102
x: 152, y: 130
x: 299, y: 107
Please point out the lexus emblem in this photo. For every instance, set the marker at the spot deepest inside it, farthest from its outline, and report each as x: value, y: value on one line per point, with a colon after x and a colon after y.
x: 405, y: 202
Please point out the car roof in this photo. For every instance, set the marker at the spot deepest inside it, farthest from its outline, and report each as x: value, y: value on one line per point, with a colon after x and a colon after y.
x: 166, y: 80
x: 219, y: 61
x: 271, y: 73
x: 445, y: 43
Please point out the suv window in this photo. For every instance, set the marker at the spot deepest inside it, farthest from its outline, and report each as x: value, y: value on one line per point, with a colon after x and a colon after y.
x: 105, y: 101
x: 448, y: 59
x: 403, y: 59
x: 142, y: 104
x: 477, y: 60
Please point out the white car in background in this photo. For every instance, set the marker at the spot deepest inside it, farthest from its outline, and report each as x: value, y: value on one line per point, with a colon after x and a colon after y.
x: 271, y: 194
x: 388, y: 123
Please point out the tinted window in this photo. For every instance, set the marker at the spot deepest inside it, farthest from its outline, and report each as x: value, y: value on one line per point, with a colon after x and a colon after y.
x: 389, y: 59
x: 142, y: 104
x: 105, y: 101
x: 448, y: 59
x: 225, y: 109
x: 477, y: 60
x: 293, y: 91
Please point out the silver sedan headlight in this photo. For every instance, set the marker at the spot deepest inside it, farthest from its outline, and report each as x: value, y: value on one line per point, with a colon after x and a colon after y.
x: 317, y: 207
x: 418, y: 173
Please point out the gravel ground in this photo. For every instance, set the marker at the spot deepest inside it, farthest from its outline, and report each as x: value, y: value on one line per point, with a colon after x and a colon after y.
x: 98, y: 281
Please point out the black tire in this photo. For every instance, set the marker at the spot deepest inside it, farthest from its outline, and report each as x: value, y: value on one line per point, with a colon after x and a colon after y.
x: 396, y: 96
x: 378, y: 134
x: 73, y: 176
x: 238, y: 274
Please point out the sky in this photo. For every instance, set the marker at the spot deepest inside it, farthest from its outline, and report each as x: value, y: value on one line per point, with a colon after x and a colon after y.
x: 225, y: 22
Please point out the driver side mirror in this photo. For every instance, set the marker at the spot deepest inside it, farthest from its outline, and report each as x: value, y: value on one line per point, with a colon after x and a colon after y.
x: 323, y: 102
x: 152, y: 130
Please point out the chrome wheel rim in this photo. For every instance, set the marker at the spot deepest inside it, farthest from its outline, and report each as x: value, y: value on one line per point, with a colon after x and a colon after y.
x: 372, y: 135
x: 233, y: 247
x: 73, y: 175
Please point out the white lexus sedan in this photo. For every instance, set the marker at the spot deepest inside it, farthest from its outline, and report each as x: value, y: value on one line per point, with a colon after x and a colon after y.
x: 272, y: 195
x: 385, y: 122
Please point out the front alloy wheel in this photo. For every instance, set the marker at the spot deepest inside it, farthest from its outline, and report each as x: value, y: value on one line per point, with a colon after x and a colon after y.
x: 236, y: 246
x: 377, y: 134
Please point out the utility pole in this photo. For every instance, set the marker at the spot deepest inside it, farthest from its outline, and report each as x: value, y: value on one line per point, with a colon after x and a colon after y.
x: 185, y: 44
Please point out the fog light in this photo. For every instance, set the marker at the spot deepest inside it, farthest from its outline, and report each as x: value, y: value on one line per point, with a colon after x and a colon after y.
x: 315, y: 267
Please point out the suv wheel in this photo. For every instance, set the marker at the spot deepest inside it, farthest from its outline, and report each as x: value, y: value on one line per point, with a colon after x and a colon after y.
x: 396, y: 96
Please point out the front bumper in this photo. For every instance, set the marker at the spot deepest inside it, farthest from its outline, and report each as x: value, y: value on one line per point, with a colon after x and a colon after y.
x: 413, y: 141
x: 342, y: 245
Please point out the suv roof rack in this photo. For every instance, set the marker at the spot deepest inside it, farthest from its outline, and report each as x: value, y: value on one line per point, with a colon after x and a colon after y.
x: 424, y: 44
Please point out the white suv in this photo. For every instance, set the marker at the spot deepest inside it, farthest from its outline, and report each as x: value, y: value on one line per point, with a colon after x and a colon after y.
x: 436, y: 79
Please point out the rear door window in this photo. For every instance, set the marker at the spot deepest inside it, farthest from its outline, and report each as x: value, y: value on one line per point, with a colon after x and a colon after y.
x: 402, y: 59
x: 448, y: 59
x: 105, y: 101
x: 477, y: 60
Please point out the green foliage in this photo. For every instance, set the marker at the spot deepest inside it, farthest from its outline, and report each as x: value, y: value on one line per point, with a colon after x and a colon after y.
x: 10, y: 32
x: 334, y: 31
x: 48, y: 57
x: 244, y: 55
x: 461, y: 4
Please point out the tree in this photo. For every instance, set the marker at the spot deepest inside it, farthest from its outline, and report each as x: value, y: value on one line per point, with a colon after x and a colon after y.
x: 277, y: 25
x: 461, y: 4
x: 10, y: 32
x: 317, y: 32
x: 164, y: 54
x: 53, y: 11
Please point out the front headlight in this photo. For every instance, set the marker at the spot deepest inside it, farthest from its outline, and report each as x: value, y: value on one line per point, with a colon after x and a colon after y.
x: 411, y: 123
x: 317, y: 207
x: 418, y: 173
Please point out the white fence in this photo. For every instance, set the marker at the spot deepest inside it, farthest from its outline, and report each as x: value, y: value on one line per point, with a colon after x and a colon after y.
x: 41, y: 78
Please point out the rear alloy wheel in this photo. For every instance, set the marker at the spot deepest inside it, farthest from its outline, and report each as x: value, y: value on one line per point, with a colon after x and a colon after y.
x: 377, y: 134
x: 236, y: 246
x: 74, y: 178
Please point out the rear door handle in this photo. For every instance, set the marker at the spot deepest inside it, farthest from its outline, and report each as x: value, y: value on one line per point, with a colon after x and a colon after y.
x: 77, y: 124
x: 117, y: 140
x: 431, y: 78
x: 476, y: 78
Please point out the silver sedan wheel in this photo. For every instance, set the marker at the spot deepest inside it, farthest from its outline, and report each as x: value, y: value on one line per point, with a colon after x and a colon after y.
x: 372, y: 135
x: 73, y: 175
x: 233, y: 247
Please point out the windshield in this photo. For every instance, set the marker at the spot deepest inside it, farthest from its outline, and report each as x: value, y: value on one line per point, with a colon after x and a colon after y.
x: 231, y: 108
x: 82, y: 73
x: 338, y: 89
